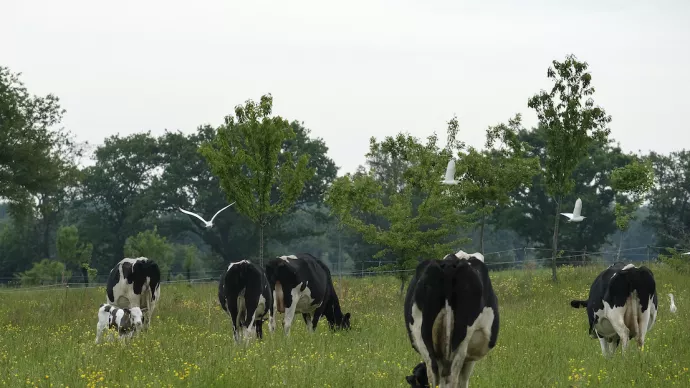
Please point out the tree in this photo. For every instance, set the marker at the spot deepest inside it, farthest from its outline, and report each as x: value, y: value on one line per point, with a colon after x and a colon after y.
x: 631, y: 183
x: 151, y: 245
x: 419, y: 217
x: 493, y: 173
x: 572, y: 123
x: 44, y: 272
x: 27, y: 139
x: 669, y: 198
x: 71, y: 251
x: 116, y: 195
x: 245, y: 157
x: 531, y: 207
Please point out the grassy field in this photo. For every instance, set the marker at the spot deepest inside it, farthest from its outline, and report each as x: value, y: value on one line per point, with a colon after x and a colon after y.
x: 47, y: 339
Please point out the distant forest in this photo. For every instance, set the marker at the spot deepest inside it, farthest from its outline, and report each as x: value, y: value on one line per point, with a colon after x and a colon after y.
x: 59, y: 219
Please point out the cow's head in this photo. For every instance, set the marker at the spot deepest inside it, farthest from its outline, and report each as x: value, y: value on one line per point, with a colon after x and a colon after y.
x: 137, y: 318
x: 418, y: 379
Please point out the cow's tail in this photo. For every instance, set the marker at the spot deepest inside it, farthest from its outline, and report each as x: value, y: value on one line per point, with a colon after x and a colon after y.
x: 635, y: 304
x: 442, y: 331
x: 578, y: 303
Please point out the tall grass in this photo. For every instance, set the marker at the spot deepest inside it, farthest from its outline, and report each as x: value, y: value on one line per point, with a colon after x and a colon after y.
x: 47, y: 339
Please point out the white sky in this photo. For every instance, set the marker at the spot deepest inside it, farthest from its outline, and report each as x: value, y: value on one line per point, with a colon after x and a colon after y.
x: 349, y: 71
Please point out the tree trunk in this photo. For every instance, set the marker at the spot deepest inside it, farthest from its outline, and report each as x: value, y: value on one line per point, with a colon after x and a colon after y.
x: 620, y: 245
x: 261, y: 245
x: 554, y: 253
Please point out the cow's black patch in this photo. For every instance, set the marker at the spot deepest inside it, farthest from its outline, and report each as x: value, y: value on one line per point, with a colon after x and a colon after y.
x: 249, y: 278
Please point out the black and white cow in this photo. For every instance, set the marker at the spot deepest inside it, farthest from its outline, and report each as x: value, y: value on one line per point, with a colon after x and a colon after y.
x: 302, y: 284
x: 125, y: 321
x: 451, y: 316
x: 244, y: 294
x: 135, y: 283
x: 622, y: 305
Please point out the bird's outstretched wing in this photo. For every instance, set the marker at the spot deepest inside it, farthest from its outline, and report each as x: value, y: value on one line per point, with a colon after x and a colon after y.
x: 578, y: 207
x: 214, y: 216
x: 569, y: 215
x: 192, y: 214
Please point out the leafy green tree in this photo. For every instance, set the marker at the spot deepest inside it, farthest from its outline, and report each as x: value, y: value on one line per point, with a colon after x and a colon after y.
x: 669, y: 198
x: 190, y: 253
x: 18, y: 249
x: 631, y: 183
x: 420, y: 218
x: 27, y: 140
x: 531, y: 207
x: 71, y: 251
x: 44, y: 272
x: 491, y: 174
x: 245, y: 157
x: 151, y: 245
x: 572, y: 123
x: 116, y: 198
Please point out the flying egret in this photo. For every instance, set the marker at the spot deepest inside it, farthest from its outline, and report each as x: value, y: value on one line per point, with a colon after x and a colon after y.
x: 207, y: 224
x: 673, y: 305
x: 575, y: 215
x: 450, y: 174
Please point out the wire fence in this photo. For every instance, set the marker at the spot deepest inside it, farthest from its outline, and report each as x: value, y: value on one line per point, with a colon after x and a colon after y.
x: 509, y: 259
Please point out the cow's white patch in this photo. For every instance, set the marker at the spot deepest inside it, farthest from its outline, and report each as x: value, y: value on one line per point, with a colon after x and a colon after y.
x: 466, y: 256
x: 628, y: 267
x: 238, y: 262
x: 416, y: 330
x: 623, y: 322
x: 285, y: 258
x: 125, y: 297
x: 301, y: 303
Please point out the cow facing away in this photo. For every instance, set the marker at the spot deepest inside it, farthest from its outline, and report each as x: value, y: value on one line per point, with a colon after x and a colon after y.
x: 302, y: 284
x: 451, y: 316
x: 125, y: 321
x: 135, y: 283
x: 244, y: 294
x: 622, y: 305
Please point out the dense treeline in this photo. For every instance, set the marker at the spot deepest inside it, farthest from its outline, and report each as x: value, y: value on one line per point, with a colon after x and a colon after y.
x: 61, y: 219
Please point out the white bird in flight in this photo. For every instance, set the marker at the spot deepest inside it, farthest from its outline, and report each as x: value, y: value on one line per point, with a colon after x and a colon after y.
x: 575, y: 215
x: 207, y: 224
x: 450, y: 174
x: 673, y: 305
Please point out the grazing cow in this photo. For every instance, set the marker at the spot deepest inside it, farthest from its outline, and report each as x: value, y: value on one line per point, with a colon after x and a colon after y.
x: 135, y: 283
x: 126, y: 321
x: 244, y: 294
x: 451, y: 316
x: 622, y: 305
x: 302, y: 284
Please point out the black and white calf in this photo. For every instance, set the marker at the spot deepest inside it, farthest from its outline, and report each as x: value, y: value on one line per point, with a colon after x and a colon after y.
x: 622, y: 305
x: 135, y: 283
x: 302, y: 284
x: 451, y: 316
x: 125, y: 321
x: 244, y: 294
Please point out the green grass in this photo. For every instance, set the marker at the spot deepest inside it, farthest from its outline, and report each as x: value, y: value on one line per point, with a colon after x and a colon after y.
x: 47, y: 339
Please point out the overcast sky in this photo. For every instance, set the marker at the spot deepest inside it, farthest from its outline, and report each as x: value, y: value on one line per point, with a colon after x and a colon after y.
x: 353, y: 70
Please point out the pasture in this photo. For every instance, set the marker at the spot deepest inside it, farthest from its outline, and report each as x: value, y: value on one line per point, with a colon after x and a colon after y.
x: 47, y: 339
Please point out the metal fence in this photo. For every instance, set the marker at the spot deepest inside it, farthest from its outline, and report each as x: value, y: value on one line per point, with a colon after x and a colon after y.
x: 496, y: 261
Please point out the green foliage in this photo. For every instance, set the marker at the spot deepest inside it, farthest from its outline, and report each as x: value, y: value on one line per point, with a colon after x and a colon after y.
x: 91, y: 273
x: 245, y: 157
x: 631, y: 182
x: 27, y: 140
x: 491, y: 174
x: 572, y: 123
x: 678, y: 262
x: 70, y: 250
x: 668, y: 199
x: 419, y: 217
x: 151, y: 245
x: 190, y: 253
x: 44, y: 272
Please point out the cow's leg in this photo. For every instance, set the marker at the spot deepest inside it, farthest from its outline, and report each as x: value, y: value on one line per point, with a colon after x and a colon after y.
x: 99, y: 330
x: 307, y: 321
x: 604, y: 346
x: 273, y: 313
x: 232, y: 310
x: 617, y: 318
x: 251, y: 304
x: 259, y: 323
x: 643, y: 324
x: 465, y: 373
x: 290, y: 311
